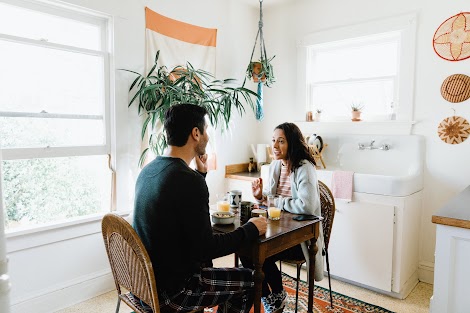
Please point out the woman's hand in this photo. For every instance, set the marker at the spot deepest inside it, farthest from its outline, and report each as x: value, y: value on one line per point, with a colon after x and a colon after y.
x: 257, y: 188
x: 201, y: 163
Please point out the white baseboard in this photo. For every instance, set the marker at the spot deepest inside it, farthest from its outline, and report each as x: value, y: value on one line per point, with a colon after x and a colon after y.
x: 69, y: 294
x: 426, y: 272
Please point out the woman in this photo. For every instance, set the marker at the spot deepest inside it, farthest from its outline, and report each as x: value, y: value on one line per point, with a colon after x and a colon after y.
x: 293, y: 179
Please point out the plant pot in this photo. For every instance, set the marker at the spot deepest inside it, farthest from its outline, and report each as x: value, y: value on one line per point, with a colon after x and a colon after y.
x: 317, y: 117
x: 356, y: 116
x: 257, y: 68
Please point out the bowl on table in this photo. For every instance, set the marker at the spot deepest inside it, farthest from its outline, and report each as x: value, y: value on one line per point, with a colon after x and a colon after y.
x: 223, y: 218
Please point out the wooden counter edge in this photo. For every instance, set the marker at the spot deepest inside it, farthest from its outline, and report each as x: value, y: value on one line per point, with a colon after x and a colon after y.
x: 450, y: 221
x: 234, y: 170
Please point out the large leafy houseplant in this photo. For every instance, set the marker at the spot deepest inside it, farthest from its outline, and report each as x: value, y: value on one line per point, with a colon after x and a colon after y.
x: 162, y: 88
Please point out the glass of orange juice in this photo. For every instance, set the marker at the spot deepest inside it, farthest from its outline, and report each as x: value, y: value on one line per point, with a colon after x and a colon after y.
x: 223, y: 206
x: 274, y: 213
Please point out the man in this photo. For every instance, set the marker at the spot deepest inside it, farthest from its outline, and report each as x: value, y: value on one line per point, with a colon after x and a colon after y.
x: 172, y: 218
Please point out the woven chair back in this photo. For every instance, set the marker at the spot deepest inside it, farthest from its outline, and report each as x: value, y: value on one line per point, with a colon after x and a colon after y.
x: 327, y: 211
x: 129, y: 260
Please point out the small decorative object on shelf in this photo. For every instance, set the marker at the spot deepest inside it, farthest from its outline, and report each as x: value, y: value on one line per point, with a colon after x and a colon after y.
x: 309, y: 116
x: 356, y: 111
x: 318, y: 115
x: 251, y: 166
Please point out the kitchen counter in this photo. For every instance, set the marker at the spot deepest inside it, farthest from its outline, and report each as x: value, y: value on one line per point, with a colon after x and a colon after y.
x: 456, y: 212
x: 240, y: 172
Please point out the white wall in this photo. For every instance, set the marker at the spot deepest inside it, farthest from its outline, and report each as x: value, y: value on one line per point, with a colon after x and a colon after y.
x: 447, y: 171
x: 59, y: 266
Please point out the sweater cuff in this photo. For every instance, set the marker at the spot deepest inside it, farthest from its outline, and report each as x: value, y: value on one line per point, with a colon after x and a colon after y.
x: 250, y: 230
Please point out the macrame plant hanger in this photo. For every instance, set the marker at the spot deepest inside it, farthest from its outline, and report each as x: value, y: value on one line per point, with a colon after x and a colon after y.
x: 263, y: 56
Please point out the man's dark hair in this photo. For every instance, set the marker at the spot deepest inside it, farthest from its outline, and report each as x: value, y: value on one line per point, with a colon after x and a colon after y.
x: 297, y: 148
x: 180, y: 119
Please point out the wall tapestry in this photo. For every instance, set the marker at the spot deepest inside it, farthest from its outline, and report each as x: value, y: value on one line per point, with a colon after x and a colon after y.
x: 452, y: 39
x: 178, y: 43
x: 453, y: 130
x: 456, y: 88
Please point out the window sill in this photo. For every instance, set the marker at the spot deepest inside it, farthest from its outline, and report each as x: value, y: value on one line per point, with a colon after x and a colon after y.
x: 357, y: 128
x: 47, y: 234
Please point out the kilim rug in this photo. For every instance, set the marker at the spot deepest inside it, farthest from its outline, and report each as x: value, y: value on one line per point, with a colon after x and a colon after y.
x: 341, y: 303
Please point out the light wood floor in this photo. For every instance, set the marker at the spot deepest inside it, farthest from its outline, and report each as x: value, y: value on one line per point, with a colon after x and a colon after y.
x: 416, y: 302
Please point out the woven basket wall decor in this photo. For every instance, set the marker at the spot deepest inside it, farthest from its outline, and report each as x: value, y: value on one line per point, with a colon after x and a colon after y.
x: 453, y: 130
x: 452, y: 39
x: 456, y: 88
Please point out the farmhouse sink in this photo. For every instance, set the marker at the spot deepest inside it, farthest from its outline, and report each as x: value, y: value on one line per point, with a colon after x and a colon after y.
x: 394, y: 172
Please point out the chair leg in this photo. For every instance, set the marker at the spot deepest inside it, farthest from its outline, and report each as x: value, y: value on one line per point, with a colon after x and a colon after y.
x: 329, y: 278
x: 297, y: 287
x: 118, y: 305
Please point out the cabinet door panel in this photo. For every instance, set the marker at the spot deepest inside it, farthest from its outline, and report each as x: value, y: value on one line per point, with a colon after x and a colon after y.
x: 361, y: 244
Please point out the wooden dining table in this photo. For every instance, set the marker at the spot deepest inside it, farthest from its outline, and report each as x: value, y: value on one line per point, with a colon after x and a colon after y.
x: 280, y: 235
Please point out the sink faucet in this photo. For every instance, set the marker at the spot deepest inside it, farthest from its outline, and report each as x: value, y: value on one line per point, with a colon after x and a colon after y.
x: 371, y: 146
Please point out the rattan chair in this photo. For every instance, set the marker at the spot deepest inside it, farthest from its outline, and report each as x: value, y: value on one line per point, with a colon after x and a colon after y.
x: 328, y: 213
x: 130, y: 263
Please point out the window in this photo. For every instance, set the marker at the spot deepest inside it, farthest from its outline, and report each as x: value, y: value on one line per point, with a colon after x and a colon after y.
x: 54, y: 114
x: 369, y: 65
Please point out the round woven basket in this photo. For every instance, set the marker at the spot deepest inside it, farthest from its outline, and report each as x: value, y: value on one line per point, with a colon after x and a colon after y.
x: 453, y: 130
x: 450, y: 40
x: 456, y: 88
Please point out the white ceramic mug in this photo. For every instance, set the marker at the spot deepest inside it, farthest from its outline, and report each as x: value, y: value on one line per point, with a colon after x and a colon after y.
x: 235, y: 197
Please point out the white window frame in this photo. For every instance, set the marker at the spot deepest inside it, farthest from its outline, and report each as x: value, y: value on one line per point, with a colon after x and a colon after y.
x: 107, y: 148
x: 406, y: 26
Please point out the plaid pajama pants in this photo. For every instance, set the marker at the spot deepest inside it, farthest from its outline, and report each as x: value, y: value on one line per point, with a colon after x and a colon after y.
x: 232, y: 289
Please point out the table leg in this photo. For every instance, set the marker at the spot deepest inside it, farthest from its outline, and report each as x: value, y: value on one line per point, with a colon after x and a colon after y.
x: 258, y: 278
x: 311, y: 273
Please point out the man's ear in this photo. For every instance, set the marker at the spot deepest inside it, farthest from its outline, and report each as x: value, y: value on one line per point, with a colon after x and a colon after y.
x: 195, y: 133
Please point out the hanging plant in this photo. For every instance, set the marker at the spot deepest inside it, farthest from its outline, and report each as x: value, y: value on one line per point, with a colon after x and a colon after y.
x: 161, y: 89
x: 261, y: 70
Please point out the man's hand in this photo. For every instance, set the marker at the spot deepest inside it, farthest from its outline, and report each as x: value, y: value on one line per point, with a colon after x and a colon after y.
x: 261, y: 223
x: 257, y: 188
x: 201, y: 163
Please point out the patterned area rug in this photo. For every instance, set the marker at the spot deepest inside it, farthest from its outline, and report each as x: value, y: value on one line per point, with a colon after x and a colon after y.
x: 341, y: 303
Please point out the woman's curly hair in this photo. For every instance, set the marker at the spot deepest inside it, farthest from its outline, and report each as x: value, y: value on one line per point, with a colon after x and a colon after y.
x: 297, y: 149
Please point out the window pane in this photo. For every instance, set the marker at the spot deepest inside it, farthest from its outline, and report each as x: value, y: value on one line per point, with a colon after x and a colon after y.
x: 336, y: 99
x: 36, y: 79
x: 48, y: 27
x: 40, y: 191
x: 365, y: 61
x: 27, y: 132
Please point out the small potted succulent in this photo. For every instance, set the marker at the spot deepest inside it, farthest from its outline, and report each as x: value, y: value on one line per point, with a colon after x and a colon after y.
x: 356, y: 109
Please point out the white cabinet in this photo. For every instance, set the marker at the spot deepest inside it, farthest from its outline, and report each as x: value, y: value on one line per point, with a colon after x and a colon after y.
x: 452, y: 256
x: 361, y: 244
x: 452, y: 271
x: 374, y: 242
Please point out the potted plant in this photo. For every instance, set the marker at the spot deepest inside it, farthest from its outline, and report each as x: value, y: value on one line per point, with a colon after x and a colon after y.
x: 261, y: 70
x: 356, y: 109
x: 161, y: 88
